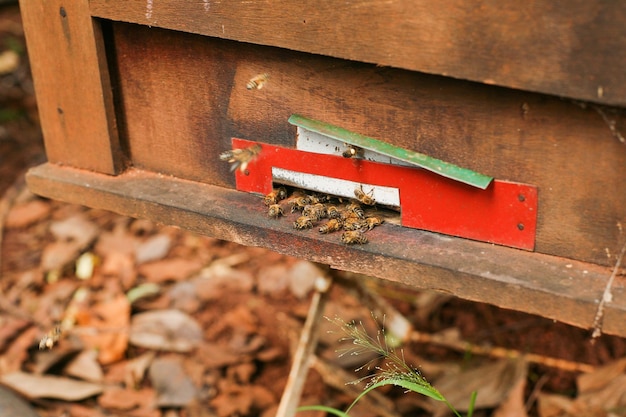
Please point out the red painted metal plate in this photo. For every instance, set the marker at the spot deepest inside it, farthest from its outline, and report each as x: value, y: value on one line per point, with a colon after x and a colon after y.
x: 505, y: 213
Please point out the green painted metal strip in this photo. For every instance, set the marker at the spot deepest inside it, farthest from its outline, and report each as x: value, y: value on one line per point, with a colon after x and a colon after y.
x: 437, y: 166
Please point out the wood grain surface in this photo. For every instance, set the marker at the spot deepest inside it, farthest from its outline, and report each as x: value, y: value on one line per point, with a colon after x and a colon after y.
x: 550, y: 286
x: 575, y: 50
x: 184, y: 96
x: 72, y: 84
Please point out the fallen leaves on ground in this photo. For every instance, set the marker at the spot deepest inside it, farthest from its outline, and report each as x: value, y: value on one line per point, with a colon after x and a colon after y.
x: 163, y: 322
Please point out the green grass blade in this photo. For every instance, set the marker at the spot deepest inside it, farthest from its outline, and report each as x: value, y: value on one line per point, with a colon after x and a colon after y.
x: 324, y: 408
x: 428, y: 391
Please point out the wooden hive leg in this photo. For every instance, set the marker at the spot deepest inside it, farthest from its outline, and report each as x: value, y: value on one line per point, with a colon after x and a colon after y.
x: 306, y: 347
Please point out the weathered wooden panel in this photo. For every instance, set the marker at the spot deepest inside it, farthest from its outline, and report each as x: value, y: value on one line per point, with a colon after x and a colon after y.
x: 577, y: 50
x: 69, y: 67
x: 185, y: 96
x: 553, y: 287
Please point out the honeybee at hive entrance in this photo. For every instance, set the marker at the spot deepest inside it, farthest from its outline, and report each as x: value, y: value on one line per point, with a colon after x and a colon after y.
x: 240, y: 158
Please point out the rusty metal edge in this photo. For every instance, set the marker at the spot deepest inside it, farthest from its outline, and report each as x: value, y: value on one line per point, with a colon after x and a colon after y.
x: 558, y: 288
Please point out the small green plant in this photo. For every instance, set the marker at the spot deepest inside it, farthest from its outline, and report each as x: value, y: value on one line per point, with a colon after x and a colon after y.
x: 394, y: 371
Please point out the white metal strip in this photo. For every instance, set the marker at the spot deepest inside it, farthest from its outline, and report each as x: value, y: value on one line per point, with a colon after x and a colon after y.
x: 387, y: 196
x: 309, y: 141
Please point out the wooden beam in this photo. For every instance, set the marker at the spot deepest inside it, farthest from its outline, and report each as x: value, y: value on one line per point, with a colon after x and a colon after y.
x: 575, y: 51
x: 71, y: 78
x: 553, y: 287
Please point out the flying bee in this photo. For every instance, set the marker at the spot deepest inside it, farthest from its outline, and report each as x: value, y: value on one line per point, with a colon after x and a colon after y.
x: 352, y: 237
x: 331, y: 226
x: 367, y: 199
x: 275, y: 211
x: 240, y: 158
x: 258, y: 81
x: 333, y: 212
x: 314, y: 211
x: 353, y: 223
x: 299, y: 203
x: 371, y: 222
x: 303, y: 222
x: 275, y: 196
x: 352, y: 151
x: 50, y: 338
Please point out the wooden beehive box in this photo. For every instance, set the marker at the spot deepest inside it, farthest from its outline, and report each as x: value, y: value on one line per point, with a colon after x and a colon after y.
x: 138, y: 99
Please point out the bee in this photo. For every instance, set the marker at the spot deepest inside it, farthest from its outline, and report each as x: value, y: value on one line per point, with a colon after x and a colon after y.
x: 331, y: 226
x: 371, y: 222
x: 275, y: 211
x: 303, y: 222
x: 353, y: 209
x: 353, y: 223
x: 275, y: 196
x: 314, y: 211
x: 240, y: 158
x: 333, y: 212
x: 352, y: 237
x: 352, y: 151
x: 258, y: 81
x: 299, y: 203
x: 367, y: 199
x: 50, y: 338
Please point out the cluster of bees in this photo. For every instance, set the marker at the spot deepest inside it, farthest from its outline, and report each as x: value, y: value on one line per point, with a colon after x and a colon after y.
x: 330, y: 213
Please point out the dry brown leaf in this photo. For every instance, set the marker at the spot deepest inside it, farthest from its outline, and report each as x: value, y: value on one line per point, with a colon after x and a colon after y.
x: 169, y: 269
x: 76, y: 229
x: 117, y: 241
x: 48, y: 386
x: 106, y: 328
x: 152, y: 249
x: 122, y: 266
x: 85, y: 366
x: 217, y: 356
x: 514, y: 405
x: 25, y: 214
x: 13, y: 358
x: 232, y: 400
x: 136, y: 369
x: 125, y: 398
x: 492, y: 381
x: 9, y: 329
x: 57, y: 255
x: 301, y: 277
x: 174, y: 388
x: 168, y: 330
x: 273, y: 280
x: 12, y: 405
x: 217, y: 278
x: 601, y: 377
x: 600, y: 392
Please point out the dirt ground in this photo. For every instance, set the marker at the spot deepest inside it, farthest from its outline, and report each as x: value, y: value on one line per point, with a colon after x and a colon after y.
x: 148, y: 320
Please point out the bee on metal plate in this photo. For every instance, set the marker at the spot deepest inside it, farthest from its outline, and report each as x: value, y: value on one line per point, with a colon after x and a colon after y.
x: 371, y: 222
x: 258, y: 81
x: 352, y: 151
x: 240, y: 158
x: 275, y: 211
x: 275, y: 196
x: 303, y: 222
x: 314, y: 211
x: 367, y: 199
x: 352, y: 237
x: 299, y: 203
x: 333, y: 212
x: 353, y: 209
x: 353, y: 223
x: 330, y: 226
